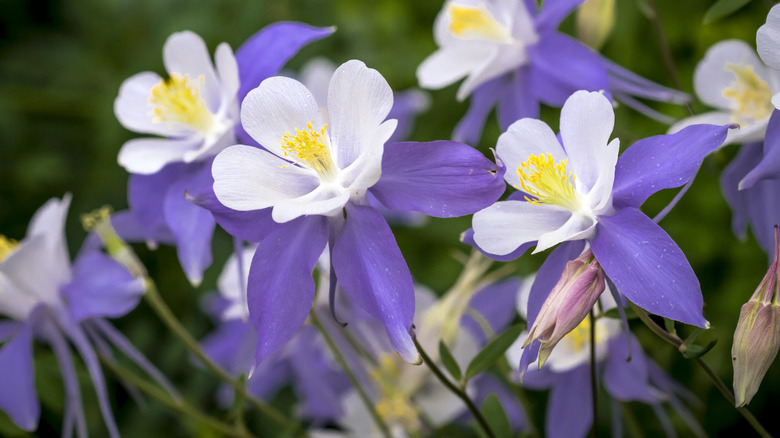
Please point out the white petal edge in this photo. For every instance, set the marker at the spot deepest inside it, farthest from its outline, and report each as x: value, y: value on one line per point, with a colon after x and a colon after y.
x: 278, y: 106
x: 522, y: 139
x: 576, y: 228
x: 186, y: 53
x: 504, y: 226
x: 326, y: 200
x: 768, y: 39
x: 711, y: 77
x: 448, y: 65
x: 49, y: 222
x: 131, y: 106
x: 146, y: 156
x: 227, y: 69
x: 745, y: 133
x: 247, y: 178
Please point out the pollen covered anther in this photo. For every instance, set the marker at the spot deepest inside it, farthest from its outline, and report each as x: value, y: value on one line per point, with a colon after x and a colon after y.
x: 547, y: 181
x: 751, y: 94
x: 470, y: 22
x: 177, y: 101
x: 7, y: 246
x: 309, y: 146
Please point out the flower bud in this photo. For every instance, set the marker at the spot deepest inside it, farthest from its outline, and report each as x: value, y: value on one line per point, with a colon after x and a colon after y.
x: 569, y: 302
x: 595, y: 21
x: 757, y: 337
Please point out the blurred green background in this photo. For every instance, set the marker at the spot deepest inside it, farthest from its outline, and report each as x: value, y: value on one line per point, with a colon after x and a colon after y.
x: 62, y: 62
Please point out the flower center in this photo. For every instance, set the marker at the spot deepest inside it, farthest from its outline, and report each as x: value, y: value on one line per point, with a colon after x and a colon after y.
x: 7, y: 246
x: 750, y: 93
x: 476, y: 23
x: 309, y: 146
x: 548, y: 182
x: 578, y: 339
x: 177, y: 101
x: 394, y: 405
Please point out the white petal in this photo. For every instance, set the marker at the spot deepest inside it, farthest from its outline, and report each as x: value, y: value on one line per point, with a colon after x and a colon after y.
x: 31, y: 279
x: 248, y: 178
x: 49, y: 222
x: 440, y: 405
x: 522, y: 297
x: 227, y: 69
x: 515, y: 351
x: 711, y: 76
x: 587, y: 120
x: 577, y: 227
x: 186, y: 53
x: 326, y: 199
x: 601, y: 192
x: 449, y: 64
x: 232, y: 285
x: 524, y: 138
x: 367, y: 169
x: 501, y: 59
x: 504, y: 226
x: 14, y: 303
x: 316, y: 75
x: 359, y: 100
x: 148, y: 155
x: 131, y: 106
x: 768, y: 39
x: 279, y: 105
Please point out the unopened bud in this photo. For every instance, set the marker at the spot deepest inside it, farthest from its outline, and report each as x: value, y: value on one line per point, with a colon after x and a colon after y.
x: 757, y: 337
x: 595, y: 21
x: 569, y: 302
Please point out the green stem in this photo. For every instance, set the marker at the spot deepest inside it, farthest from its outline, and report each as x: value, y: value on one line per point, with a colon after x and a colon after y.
x: 593, y: 383
x: 677, y: 342
x: 179, y: 405
x: 455, y: 390
x: 162, y: 310
x: 342, y: 361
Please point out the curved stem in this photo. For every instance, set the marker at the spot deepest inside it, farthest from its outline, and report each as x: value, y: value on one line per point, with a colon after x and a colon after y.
x: 677, y: 342
x: 165, y: 398
x: 342, y: 361
x: 455, y: 390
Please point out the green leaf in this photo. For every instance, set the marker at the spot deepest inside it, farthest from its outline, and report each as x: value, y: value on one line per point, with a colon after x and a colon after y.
x: 496, y: 417
x: 614, y: 313
x: 722, y: 8
x: 690, y: 350
x: 493, y: 351
x: 449, y: 362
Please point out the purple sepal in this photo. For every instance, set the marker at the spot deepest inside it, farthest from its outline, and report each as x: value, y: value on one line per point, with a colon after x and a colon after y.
x: 264, y: 53
x: 496, y: 303
x: 648, y: 267
x: 769, y: 167
x: 281, y: 289
x: 146, y: 196
x: 571, y: 399
x: 552, y: 13
x: 517, y: 100
x: 485, y: 385
x: 646, y: 166
x: 469, y: 128
x: 439, y: 178
x: 232, y: 346
x: 269, y: 377
x: 251, y: 226
x: 406, y: 106
x: 468, y: 238
x: 191, y: 225
x: 756, y: 205
x: 628, y: 380
x: 101, y: 287
x: 539, y: 378
x: 563, y: 65
x: 372, y: 270
x: 18, y: 398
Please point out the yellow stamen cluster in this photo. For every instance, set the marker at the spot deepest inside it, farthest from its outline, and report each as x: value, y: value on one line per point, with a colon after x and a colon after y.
x: 309, y: 146
x: 579, y: 339
x: 548, y: 182
x: 177, y: 101
x: 751, y: 94
x: 470, y: 22
x: 94, y: 218
x: 394, y: 405
x: 7, y: 246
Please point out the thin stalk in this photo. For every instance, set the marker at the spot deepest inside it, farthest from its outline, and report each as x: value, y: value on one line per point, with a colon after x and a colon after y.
x: 455, y: 390
x: 727, y: 394
x: 342, y: 361
x: 593, y: 383
x: 162, y: 310
x: 179, y: 405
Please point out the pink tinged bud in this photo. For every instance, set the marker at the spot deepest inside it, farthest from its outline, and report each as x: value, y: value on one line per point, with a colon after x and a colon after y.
x: 757, y: 337
x: 569, y: 302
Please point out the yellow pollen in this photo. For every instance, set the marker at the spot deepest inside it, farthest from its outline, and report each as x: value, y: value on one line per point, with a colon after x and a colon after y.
x: 476, y: 22
x: 548, y: 182
x: 309, y: 146
x: 7, y: 246
x: 177, y: 101
x: 751, y: 94
x: 394, y: 405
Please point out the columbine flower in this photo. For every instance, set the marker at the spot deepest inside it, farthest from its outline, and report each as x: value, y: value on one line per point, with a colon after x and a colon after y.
x: 195, y: 111
x: 310, y: 173
x: 48, y: 299
x: 513, y: 57
x: 567, y: 372
x: 577, y: 189
x: 757, y: 336
x: 732, y: 79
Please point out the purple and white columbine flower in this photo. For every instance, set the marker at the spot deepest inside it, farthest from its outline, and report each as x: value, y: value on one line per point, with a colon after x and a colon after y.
x: 309, y: 175
x: 48, y: 299
x: 577, y: 189
x: 195, y: 112
x: 512, y: 57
